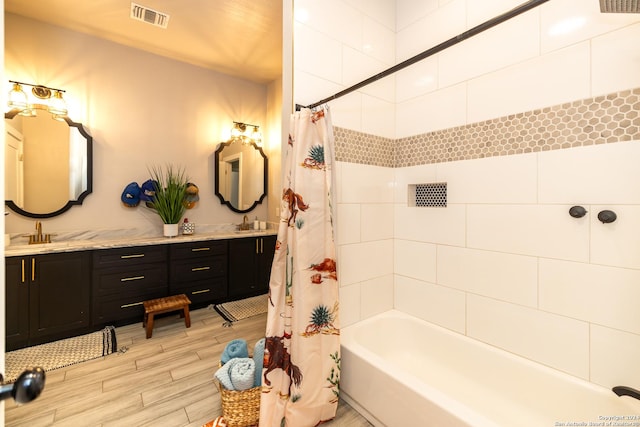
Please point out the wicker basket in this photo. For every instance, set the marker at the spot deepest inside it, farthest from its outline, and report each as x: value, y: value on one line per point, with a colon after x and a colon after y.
x: 240, y: 408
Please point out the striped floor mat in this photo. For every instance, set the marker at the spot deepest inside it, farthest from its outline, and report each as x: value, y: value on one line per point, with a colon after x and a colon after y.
x: 61, y: 353
x: 237, y: 310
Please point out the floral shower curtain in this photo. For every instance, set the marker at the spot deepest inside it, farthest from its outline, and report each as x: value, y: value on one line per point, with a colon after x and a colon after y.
x: 300, y: 381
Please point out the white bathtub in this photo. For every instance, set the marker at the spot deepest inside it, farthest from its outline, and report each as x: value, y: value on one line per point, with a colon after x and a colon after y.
x: 398, y: 370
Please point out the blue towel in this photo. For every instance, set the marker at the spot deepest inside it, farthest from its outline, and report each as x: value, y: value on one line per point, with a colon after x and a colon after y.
x: 258, y: 359
x: 237, y: 374
x: 222, y: 375
x: 235, y: 348
x: 242, y: 373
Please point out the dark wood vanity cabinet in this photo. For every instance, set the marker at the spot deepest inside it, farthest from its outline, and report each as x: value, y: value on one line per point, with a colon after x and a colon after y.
x: 60, y: 295
x: 199, y: 270
x: 47, y: 297
x: 123, y: 279
x: 250, y: 266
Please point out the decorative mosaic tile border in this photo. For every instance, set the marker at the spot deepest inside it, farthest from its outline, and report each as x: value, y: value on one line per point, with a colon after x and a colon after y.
x: 363, y: 148
x: 600, y: 120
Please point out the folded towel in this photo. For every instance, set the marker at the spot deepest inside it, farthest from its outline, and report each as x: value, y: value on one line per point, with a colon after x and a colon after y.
x: 235, y: 348
x: 222, y: 375
x: 242, y: 373
x: 237, y: 374
x: 258, y: 359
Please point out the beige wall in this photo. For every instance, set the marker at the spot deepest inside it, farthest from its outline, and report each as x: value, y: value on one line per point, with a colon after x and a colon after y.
x: 2, y: 308
x: 142, y: 110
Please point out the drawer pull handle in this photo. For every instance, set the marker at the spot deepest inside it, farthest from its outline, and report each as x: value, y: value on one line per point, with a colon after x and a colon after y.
x: 200, y: 292
x: 23, y: 276
x: 200, y: 268
x: 200, y: 249
x: 128, y: 279
x: 131, y: 256
x: 33, y: 269
x: 131, y: 305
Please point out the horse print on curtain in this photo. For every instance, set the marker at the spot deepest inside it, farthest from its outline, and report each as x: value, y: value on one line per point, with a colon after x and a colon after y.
x: 301, y: 374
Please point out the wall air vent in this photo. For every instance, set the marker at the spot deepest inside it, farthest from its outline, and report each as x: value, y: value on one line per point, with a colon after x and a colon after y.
x: 150, y: 16
x: 428, y: 195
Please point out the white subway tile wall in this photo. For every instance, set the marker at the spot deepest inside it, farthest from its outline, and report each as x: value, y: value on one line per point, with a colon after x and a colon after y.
x: 551, y: 339
x: 522, y: 122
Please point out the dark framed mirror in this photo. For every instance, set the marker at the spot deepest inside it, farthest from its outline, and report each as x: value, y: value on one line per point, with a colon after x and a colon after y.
x: 48, y: 164
x: 240, y: 175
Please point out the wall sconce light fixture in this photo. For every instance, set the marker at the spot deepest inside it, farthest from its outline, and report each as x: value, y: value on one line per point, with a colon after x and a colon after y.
x: 246, y: 133
x: 45, y: 98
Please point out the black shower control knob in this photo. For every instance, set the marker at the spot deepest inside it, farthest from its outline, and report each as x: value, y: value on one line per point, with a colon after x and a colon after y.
x: 607, y: 216
x: 577, y: 211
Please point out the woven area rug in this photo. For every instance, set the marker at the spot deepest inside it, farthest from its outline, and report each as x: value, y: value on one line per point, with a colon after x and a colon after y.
x: 59, y: 354
x: 237, y: 310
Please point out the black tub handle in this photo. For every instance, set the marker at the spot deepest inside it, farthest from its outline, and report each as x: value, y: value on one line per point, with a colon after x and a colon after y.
x: 607, y: 217
x: 577, y: 211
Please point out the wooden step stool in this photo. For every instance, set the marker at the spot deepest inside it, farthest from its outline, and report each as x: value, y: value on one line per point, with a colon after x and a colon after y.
x: 165, y: 305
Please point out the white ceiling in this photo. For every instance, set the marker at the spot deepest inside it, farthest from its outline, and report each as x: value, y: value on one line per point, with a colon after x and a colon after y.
x: 237, y: 37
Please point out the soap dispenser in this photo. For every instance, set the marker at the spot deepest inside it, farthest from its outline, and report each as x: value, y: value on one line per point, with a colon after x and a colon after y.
x: 256, y: 224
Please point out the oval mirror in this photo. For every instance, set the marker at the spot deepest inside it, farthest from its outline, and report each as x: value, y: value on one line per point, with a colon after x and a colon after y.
x: 241, y: 175
x: 48, y: 164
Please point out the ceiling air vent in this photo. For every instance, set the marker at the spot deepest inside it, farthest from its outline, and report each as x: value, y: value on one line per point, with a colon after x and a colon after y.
x: 620, y: 6
x: 150, y: 16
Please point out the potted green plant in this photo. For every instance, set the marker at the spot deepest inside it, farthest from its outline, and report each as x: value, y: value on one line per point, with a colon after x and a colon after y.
x: 168, y: 200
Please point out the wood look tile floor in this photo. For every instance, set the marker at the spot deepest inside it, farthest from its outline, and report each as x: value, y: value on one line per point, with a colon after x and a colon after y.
x: 166, y: 380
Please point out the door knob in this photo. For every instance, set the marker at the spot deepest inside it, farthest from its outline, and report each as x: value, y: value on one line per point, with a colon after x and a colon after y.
x: 27, y: 387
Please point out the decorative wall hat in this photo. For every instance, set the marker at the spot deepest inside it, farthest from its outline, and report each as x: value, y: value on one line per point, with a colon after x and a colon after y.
x: 191, y: 197
x: 148, y: 190
x: 131, y: 195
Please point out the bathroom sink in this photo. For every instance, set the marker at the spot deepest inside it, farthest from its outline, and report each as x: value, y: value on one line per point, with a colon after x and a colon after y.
x: 51, y: 245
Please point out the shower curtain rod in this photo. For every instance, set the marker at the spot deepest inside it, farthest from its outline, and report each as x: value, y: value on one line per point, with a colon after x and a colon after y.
x: 438, y: 48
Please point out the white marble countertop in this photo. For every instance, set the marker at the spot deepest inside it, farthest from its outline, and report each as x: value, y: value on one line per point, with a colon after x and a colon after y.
x: 107, y: 239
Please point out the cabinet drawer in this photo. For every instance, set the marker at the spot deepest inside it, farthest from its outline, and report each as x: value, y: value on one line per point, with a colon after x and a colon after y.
x: 117, y: 308
x: 188, y: 270
x: 198, y: 249
x: 203, y: 291
x: 123, y: 257
x: 130, y: 279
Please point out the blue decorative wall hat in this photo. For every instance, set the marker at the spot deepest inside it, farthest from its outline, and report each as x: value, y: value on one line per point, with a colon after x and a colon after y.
x: 131, y: 195
x: 148, y: 190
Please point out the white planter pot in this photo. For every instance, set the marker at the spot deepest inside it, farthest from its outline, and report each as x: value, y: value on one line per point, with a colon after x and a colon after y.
x: 170, y: 230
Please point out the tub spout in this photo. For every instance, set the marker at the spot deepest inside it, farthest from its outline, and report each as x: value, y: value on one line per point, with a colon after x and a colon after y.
x: 623, y: 390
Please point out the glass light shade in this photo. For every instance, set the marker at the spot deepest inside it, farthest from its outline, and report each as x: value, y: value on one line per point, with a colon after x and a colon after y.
x: 28, y: 112
x: 17, y: 98
x: 256, y: 136
x: 57, y: 106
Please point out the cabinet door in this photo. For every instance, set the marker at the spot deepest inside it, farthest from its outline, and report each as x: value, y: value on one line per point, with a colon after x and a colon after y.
x: 59, y: 294
x: 265, y: 259
x: 242, y: 266
x: 250, y: 265
x: 17, y: 302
